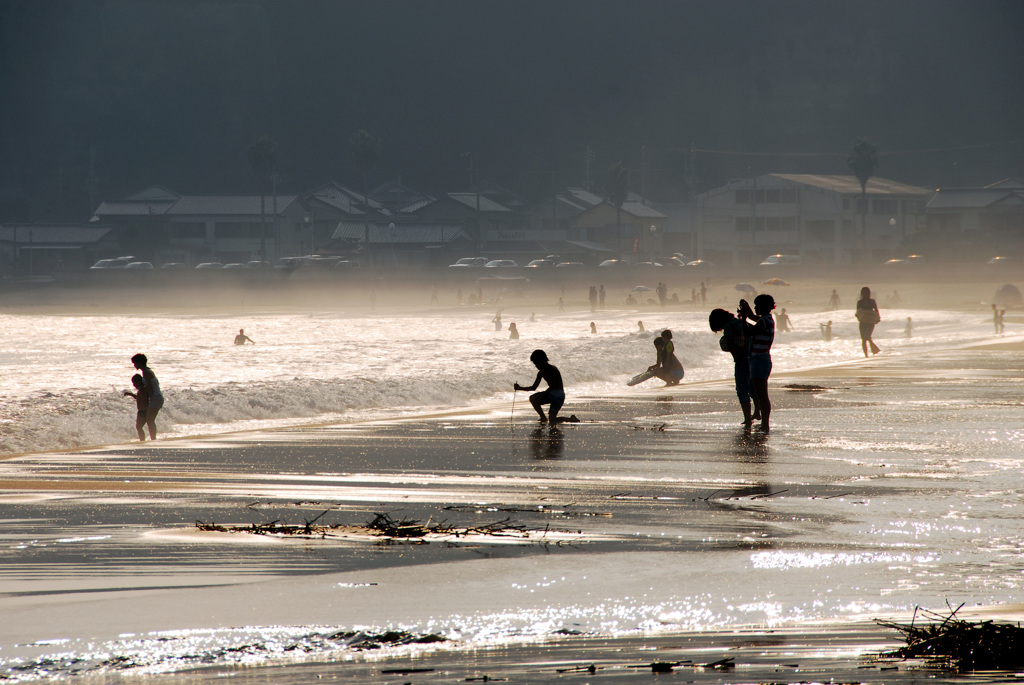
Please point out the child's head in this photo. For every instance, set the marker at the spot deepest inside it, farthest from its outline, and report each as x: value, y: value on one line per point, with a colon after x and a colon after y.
x: 718, y: 318
x: 140, y: 361
x: 763, y: 304
x: 659, y: 343
x: 539, y: 358
x: 666, y: 334
x: 138, y: 382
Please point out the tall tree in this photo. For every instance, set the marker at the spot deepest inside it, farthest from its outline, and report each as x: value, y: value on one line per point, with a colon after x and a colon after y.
x: 616, y: 191
x: 863, y: 163
x: 262, y: 155
x: 364, y: 149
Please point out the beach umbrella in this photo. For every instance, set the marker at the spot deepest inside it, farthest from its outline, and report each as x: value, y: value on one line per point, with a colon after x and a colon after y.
x: 745, y: 288
x: 775, y: 281
x: 641, y: 289
x: 1008, y: 296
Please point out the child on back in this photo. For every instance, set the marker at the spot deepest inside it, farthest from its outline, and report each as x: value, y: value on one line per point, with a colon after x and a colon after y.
x: 141, y: 396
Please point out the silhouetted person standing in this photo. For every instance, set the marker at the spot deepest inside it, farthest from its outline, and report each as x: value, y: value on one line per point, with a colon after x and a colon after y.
x: 868, y: 316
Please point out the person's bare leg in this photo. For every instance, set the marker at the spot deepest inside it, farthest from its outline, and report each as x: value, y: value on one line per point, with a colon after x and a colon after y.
x: 748, y: 419
x: 535, y: 401
x: 763, y: 403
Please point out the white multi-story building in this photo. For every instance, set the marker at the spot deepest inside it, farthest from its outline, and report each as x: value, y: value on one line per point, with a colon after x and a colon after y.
x: 825, y: 219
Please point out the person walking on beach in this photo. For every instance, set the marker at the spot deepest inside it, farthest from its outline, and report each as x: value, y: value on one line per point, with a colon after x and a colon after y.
x: 141, y: 404
x: 600, y: 296
x: 833, y: 300
x: 997, y: 319
x: 592, y: 296
x: 703, y: 293
x: 242, y: 338
x: 513, y: 332
x: 561, y: 305
x: 908, y: 330
x: 736, y: 341
x: 554, y: 395
x: 783, y: 322
x: 156, y: 397
x: 762, y: 335
x: 868, y: 316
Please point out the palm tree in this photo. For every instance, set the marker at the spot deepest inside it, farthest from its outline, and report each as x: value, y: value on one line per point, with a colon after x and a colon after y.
x: 616, y: 193
x: 364, y: 148
x: 262, y: 155
x: 864, y: 163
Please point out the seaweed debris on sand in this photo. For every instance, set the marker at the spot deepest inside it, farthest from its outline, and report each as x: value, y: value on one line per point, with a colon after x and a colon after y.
x: 952, y: 643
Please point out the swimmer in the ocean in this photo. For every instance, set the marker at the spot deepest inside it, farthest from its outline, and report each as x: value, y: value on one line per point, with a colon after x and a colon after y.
x: 513, y: 332
x: 242, y: 338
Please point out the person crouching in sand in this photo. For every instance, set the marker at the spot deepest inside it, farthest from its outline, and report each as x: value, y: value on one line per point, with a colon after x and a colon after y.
x: 554, y: 395
x: 141, y: 396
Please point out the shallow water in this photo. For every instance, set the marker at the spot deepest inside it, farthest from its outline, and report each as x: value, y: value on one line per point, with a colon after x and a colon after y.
x: 62, y: 376
x: 884, y: 486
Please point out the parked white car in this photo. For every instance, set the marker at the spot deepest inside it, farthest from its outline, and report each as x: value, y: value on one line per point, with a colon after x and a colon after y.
x: 501, y: 264
x: 781, y: 260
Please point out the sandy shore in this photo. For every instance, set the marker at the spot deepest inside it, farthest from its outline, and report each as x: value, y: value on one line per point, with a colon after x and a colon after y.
x: 655, y: 531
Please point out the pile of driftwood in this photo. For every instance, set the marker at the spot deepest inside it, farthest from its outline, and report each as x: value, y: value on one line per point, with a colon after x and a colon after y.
x: 951, y: 643
x: 383, y: 525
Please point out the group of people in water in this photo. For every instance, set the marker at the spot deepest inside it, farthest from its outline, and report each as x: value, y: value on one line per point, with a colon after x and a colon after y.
x: 747, y: 335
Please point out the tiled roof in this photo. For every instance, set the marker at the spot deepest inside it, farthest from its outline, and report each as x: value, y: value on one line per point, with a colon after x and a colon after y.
x: 972, y: 198
x: 486, y: 204
x: 125, y: 208
x: 641, y: 210
x: 403, y: 233
x: 228, y: 205
x: 849, y: 185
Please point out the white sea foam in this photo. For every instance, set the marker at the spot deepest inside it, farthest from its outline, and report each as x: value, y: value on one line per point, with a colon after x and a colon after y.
x: 62, y: 376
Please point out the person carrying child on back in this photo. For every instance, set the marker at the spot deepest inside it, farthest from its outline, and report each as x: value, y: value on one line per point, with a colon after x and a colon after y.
x: 762, y: 335
x: 141, y: 396
x: 736, y: 341
x: 554, y: 395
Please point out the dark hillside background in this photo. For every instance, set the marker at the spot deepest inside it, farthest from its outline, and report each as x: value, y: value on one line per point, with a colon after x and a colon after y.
x: 99, y: 98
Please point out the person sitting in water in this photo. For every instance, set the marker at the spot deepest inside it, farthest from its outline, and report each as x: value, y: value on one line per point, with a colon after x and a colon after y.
x: 826, y: 330
x: 497, y: 321
x: 640, y: 325
x: 593, y: 327
x: 554, y: 395
x: 513, y: 332
x: 242, y: 338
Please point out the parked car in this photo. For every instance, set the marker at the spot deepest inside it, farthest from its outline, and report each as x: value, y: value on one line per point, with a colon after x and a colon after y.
x: 648, y: 264
x: 999, y: 261
x: 134, y: 266
x: 257, y: 264
x: 700, y: 262
x: 612, y: 264
x: 469, y: 263
x: 540, y: 264
x: 906, y: 261
x: 115, y: 263
x: 570, y: 265
x: 675, y: 261
x: 210, y: 265
x: 781, y: 260
x: 174, y: 266
x: 501, y: 264
x: 347, y: 264
x: 236, y: 265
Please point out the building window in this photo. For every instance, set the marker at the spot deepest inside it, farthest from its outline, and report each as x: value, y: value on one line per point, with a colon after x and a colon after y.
x: 743, y: 196
x: 820, y: 230
x: 743, y: 223
x: 885, y: 206
x: 188, y: 229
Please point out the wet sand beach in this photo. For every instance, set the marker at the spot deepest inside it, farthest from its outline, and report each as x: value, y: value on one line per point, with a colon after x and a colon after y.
x: 656, y: 530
